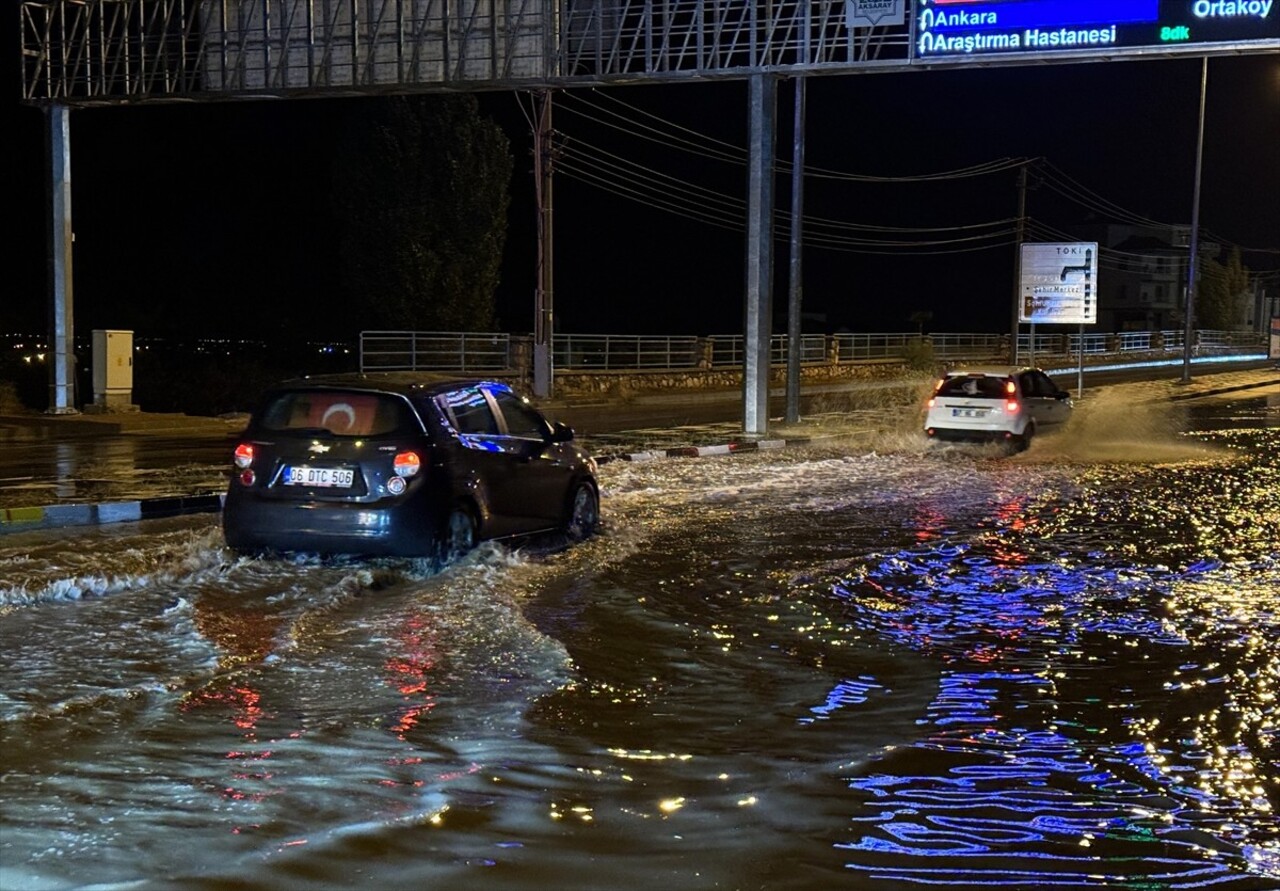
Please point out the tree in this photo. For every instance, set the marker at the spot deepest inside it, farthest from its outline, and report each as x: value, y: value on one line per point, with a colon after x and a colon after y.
x: 421, y: 195
x: 1222, y: 293
x: 920, y: 318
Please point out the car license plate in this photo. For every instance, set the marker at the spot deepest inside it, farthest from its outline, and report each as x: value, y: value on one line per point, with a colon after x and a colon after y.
x: 967, y: 412
x: 326, y: 477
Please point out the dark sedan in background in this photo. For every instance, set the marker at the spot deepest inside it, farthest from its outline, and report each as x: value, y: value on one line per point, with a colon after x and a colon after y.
x: 412, y: 467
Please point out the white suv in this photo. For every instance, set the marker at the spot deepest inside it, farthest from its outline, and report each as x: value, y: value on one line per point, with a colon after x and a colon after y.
x: 1007, y: 404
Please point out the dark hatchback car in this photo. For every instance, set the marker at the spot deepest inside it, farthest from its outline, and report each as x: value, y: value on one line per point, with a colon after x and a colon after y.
x: 380, y: 466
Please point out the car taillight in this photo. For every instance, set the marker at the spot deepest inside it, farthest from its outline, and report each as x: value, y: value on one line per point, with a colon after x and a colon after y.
x: 243, y: 455
x: 1010, y: 388
x: 407, y: 464
x: 1011, y: 406
x: 931, y: 402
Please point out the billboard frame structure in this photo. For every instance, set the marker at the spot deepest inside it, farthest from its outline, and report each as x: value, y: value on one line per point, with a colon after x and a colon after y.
x: 104, y: 52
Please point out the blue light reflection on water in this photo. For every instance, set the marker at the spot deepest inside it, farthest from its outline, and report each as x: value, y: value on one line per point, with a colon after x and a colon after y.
x: 1085, y: 731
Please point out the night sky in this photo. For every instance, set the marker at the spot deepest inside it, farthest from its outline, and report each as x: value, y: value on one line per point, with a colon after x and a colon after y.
x: 214, y: 218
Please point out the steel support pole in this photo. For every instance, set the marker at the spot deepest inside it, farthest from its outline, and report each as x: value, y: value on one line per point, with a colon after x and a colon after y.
x: 762, y: 90
x: 544, y: 317
x: 62, y: 368
x: 1193, y: 261
x: 795, y: 330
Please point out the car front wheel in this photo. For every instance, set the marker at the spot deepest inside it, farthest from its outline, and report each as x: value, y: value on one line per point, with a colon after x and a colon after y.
x: 584, y: 512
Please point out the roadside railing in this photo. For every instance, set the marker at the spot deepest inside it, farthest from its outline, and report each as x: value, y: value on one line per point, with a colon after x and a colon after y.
x: 434, y: 351
x: 1204, y: 342
x: 610, y: 351
x: 483, y: 352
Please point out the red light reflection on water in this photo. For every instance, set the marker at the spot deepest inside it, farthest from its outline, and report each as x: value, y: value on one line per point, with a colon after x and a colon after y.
x: 410, y: 674
x: 245, y: 638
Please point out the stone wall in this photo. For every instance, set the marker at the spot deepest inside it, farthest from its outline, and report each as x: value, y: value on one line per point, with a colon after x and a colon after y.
x: 572, y: 384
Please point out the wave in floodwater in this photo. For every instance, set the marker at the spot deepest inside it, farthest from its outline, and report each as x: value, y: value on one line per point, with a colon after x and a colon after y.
x: 249, y: 703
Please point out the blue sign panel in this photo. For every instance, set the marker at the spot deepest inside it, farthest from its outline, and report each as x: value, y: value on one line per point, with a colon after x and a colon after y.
x: 949, y: 28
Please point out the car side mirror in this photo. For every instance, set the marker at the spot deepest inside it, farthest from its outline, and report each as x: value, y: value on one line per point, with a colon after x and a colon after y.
x: 561, y: 432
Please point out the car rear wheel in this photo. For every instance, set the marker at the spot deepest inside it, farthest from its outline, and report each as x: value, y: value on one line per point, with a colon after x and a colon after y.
x: 459, y: 534
x: 1023, y: 442
x: 584, y: 512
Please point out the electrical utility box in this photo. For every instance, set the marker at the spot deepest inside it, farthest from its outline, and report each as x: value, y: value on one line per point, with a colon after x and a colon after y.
x: 113, y: 371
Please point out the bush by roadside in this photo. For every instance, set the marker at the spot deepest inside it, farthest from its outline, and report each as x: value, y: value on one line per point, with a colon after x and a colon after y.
x: 180, y: 377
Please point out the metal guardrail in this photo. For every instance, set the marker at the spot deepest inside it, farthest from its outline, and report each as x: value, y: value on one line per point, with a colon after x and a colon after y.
x: 434, y: 351
x: 610, y: 351
x: 479, y: 351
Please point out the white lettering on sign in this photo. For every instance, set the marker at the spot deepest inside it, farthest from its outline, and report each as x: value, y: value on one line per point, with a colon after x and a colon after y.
x: 1032, y: 38
x: 1072, y: 37
x: 1222, y: 9
x: 967, y: 43
x: 940, y: 18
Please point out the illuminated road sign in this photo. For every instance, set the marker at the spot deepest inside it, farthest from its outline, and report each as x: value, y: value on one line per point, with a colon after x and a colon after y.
x: 1059, y: 283
x: 948, y: 28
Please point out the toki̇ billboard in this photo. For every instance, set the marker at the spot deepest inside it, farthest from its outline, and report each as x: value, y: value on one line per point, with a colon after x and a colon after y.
x: 1059, y: 283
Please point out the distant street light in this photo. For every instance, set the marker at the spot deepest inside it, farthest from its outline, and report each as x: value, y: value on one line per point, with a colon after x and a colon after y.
x: 1195, y: 234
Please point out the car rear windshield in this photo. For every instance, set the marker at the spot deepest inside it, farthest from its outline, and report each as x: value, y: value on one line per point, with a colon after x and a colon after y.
x: 974, y: 386
x: 340, y: 412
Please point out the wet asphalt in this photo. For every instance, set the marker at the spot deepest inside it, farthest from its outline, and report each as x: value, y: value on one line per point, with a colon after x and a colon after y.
x: 77, y: 469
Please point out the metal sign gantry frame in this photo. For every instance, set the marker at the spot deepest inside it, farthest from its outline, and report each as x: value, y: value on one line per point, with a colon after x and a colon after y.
x: 121, y: 52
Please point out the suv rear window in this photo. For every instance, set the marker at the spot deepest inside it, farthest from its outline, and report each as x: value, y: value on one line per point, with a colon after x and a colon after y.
x: 979, y: 386
x: 340, y: 412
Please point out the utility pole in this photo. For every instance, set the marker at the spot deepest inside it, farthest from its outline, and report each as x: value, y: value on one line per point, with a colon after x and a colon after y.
x: 543, y: 318
x: 1017, y: 258
x: 1192, y: 261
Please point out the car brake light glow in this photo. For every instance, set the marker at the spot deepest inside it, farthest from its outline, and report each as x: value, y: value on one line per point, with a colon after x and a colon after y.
x: 1011, y: 406
x: 1010, y: 387
x: 931, y: 402
x: 407, y: 464
x: 247, y: 477
x: 243, y: 455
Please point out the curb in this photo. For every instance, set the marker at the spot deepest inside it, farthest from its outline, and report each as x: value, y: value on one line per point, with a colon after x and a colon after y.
x: 59, y: 515
x: 1181, y: 397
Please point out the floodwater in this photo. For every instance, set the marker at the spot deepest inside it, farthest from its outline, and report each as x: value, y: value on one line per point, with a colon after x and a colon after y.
x: 820, y: 667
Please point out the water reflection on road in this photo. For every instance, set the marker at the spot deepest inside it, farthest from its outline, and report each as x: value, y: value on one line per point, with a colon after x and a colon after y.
x: 801, y: 669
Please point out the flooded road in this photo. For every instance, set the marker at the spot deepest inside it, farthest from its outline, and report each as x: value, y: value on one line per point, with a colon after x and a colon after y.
x: 812, y: 668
